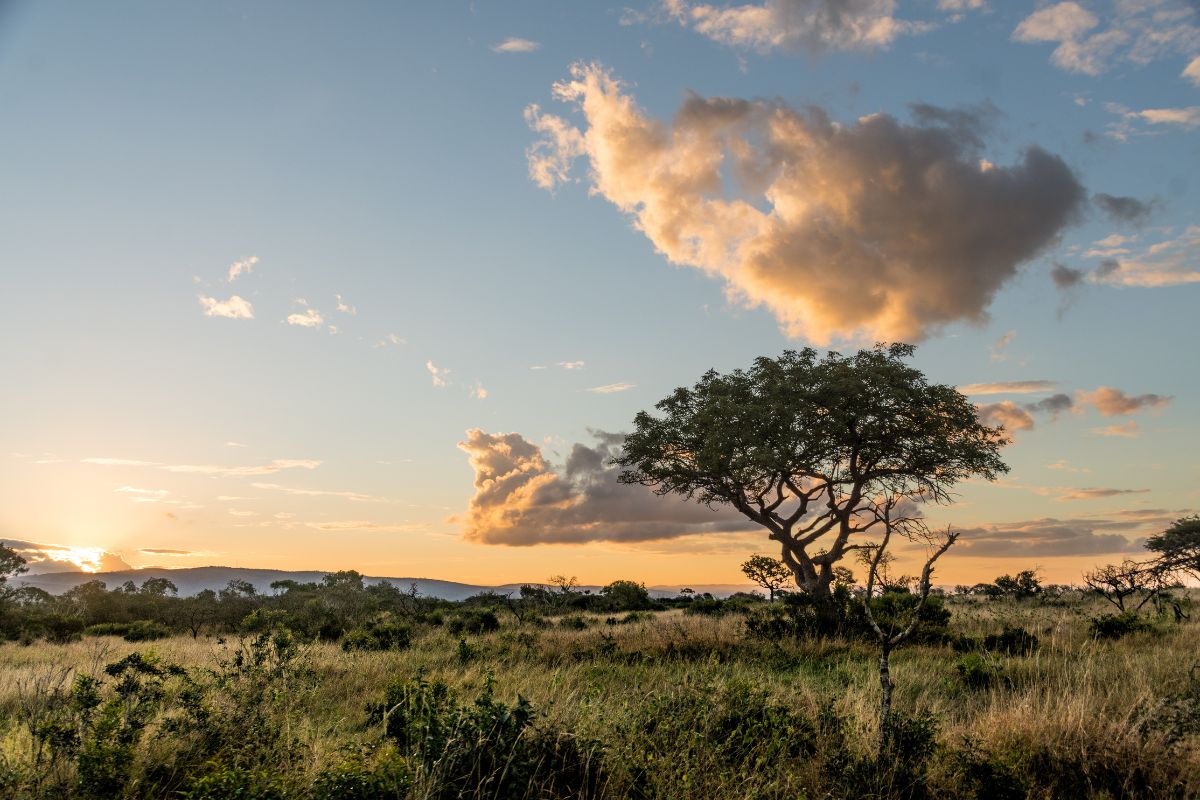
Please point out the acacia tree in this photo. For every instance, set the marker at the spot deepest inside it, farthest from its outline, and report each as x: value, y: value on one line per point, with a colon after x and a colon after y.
x: 807, y: 447
x: 1178, y: 547
x: 769, y: 573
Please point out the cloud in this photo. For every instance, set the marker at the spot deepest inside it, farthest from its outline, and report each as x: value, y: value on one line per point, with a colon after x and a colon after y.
x: 1127, y: 430
x: 1114, y: 402
x: 515, y: 45
x: 238, y: 267
x: 143, y: 495
x: 1065, y: 277
x: 521, y: 499
x: 233, y: 308
x: 478, y: 392
x: 1064, y: 465
x: 611, y: 388
x: 1006, y: 414
x: 998, y: 348
x: 163, y: 551
x: 1137, y: 32
x: 237, y: 512
x: 43, y: 558
x: 343, y: 307
x: 1186, y: 118
x: 791, y: 25
x: 1007, y: 387
x: 360, y: 525
x: 236, y: 444
x: 1042, y: 537
x: 874, y: 229
x: 1171, y: 262
x: 1020, y: 417
x: 1191, y: 72
x: 571, y: 364
x: 309, y: 318
x: 357, y: 497
x: 118, y: 462
x: 1123, y: 209
x: 438, y: 374
x: 277, y: 465
x: 391, y: 339
x: 1096, y: 494
x: 1053, y: 405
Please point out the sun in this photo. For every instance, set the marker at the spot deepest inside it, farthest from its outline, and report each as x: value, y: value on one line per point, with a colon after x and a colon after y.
x: 88, y: 559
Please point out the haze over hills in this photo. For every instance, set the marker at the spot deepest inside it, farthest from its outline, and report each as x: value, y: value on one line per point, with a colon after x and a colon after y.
x: 192, y: 580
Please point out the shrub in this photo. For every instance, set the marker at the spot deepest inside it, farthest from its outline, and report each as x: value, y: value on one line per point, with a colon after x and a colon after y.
x: 357, y: 780
x: 229, y: 783
x: 573, y: 622
x: 378, y: 636
x: 708, y: 608
x: 1012, y: 641
x: 474, y: 620
x: 145, y: 631
x: 484, y: 748
x: 1116, y: 626
x: 977, y: 670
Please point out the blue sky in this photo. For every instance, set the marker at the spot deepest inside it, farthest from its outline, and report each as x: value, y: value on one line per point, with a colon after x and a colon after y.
x: 386, y: 154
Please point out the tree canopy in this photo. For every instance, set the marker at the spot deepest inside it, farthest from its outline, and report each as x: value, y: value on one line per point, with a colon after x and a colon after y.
x: 813, y: 449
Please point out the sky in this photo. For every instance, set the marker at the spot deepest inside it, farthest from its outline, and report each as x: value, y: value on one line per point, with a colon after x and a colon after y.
x: 379, y: 286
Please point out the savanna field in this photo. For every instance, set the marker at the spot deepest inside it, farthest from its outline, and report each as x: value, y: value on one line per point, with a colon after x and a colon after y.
x: 716, y: 699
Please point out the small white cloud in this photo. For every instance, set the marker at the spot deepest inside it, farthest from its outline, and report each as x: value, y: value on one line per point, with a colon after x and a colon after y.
x: 243, y: 266
x: 1191, y: 72
x: 357, y: 497
x: 118, y: 462
x: 359, y: 525
x: 514, y: 44
x: 478, y: 392
x: 1128, y: 430
x: 571, y: 364
x: 311, y: 318
x: 236, y: 444
x: 998, y: 353
x: 1187, y: 118
x: 612, y: 388
x: 1007, y: 387
x: 233, y: 308
x: 343, y: 307
x: 391, y: 339
x: 437, y: 373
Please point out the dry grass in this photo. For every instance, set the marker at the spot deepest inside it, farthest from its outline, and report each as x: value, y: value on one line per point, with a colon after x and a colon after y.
x: 1074, y: 694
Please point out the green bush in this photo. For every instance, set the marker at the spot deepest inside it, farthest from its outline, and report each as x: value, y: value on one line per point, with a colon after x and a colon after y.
x: 358, y: 780
x: 977, y: 670
x: 234, y: 783
x: 1012, y: 641
x: 573, y: 622
x: 1116, y: 626
x: 378, y: 636
x: 474, y: 620
x: 485, y: 748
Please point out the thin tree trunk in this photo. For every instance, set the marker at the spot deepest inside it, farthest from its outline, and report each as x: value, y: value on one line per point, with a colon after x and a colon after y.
x: 885, y: 702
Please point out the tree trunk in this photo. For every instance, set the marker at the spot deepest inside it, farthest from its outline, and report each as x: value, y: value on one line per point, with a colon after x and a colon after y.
x: 885, y: 702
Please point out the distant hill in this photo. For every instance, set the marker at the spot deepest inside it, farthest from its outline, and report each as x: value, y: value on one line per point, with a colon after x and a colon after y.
x: 194, y: 580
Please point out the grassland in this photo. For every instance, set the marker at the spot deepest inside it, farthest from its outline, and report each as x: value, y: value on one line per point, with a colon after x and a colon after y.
x: 665, y: 706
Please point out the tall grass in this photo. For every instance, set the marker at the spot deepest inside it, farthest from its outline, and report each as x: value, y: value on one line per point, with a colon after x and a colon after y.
x: 690, y: 706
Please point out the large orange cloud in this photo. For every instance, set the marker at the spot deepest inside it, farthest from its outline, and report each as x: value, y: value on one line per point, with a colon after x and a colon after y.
x: 874, y: 230
x: 521, y: 499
